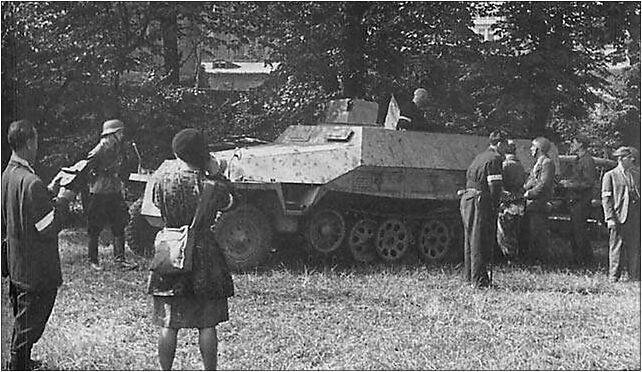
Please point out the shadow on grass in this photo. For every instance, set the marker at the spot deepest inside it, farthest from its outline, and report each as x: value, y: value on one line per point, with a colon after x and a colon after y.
x: 294, y: 255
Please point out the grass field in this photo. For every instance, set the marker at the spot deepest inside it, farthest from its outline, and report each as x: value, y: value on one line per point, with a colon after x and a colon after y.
x: 300, y: 315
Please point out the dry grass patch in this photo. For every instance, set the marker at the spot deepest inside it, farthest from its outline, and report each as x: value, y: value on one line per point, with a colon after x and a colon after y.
x: 306, y: 315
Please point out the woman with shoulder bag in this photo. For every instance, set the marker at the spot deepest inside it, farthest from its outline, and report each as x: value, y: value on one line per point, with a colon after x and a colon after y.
x: 196, y: 298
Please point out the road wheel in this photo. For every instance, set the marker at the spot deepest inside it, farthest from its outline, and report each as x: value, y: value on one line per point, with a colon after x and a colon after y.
x: 434, y: 240
x: 245, y: 236
x: 139, y: 234
x: 392, y: 240
x: 361, y: 240
x: 326, y: 230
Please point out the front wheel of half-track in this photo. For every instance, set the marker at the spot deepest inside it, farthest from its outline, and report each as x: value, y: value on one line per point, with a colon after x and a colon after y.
x: 139, y: 234
x: 245, y: 236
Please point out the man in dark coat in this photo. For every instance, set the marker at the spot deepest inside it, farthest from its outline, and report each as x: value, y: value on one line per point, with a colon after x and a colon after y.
x: 581, y: 188
x: 411, y: 116
x: 511, y: 208
x: 106, y: 204
x: 31, y: 220
x: 478, y: 209
x: 621, y: 204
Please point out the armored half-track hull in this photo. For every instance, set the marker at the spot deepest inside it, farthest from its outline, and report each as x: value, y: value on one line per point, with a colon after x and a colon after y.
x: 379, y: 193
x: 374, y: 191
x: 361, y: 160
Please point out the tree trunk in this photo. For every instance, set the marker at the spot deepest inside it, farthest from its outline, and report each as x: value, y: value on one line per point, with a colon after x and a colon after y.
x: 540, y: 116
x: 354, y: 39
x: 169, y: 29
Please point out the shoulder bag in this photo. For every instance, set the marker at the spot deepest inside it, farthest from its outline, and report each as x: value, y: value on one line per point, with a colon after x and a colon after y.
x: 173, y: 246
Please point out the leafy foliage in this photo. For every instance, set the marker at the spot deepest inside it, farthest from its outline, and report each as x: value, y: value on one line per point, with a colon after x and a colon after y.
x: 71, y: 65
x: 552, y: 60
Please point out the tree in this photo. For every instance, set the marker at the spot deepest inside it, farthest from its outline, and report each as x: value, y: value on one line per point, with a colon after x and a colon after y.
x: 168, y: 17
x: 371, y: 50
x: 550, y: 59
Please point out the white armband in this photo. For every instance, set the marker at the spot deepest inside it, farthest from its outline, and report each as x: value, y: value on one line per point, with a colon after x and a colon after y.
x: 494, y: 177
x: 405, y: 118
x: 606, y: 194
x: 45, y: 221
x: 229, y: 204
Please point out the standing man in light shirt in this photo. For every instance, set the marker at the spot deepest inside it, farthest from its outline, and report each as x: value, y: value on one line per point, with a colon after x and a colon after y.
x: 538, y: 191
x: 621, y: 204
x: 31, y: 220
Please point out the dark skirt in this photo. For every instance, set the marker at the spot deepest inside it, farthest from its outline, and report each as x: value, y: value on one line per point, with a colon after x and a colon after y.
x: 189, y: 312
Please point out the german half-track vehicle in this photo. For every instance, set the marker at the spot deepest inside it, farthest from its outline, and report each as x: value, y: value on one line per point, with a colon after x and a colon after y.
x: 347, y: 183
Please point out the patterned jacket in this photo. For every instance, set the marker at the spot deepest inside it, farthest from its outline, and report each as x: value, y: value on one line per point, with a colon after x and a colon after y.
x: 105, y: 162
x: 514, y: 175
x: 176, y: 192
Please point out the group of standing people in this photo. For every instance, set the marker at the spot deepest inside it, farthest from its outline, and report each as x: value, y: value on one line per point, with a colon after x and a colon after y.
x: 33, y: 214
x: 498, y: 193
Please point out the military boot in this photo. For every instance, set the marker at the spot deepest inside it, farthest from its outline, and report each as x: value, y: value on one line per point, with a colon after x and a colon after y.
x: 119, y: 254
x: 93, y: 253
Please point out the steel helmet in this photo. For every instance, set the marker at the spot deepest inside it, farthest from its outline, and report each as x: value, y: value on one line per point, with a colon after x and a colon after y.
x: 543, y: 144
x: 112, y: 126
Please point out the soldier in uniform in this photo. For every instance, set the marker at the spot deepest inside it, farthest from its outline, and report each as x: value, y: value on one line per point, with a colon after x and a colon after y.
x: 621, y: 204
x: 478, y: 208
x: 511, y: 207
x: 538, y: 191
x: 581, y: 187
x: 513, y: 170
x: 31, y: 220
x: 106, y: 205
x: 411, y: 116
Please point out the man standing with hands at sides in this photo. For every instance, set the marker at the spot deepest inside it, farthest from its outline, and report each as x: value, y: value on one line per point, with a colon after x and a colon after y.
x: 538, y: 191
x: 581, y: 187
x: 31, y: 220
x: 621, y: 204
x: 478, y: 207
x: 106, y: 204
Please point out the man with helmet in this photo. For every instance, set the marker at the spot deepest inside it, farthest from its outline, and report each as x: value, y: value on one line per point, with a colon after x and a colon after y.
x: 478, y: 207
x: 106, y: 205
x: 621, y: 204
x: 538, y: 190
x: 581, y: 187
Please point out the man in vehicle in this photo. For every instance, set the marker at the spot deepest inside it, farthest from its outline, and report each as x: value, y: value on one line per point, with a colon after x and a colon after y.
x: 581, y: 187
x: 538, y: 191
x: 106, y: 205
x: 621, y: 204
x: 478, y: 207
x: 31, y: 220
x: 411, y: 116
